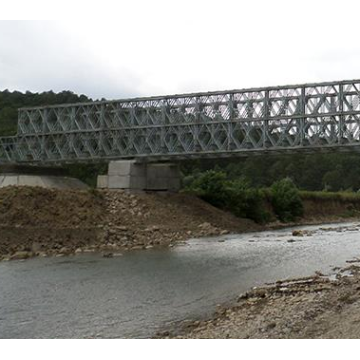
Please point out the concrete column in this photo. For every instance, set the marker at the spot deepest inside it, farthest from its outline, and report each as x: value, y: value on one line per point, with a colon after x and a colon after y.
x: 130, y: 175
x: 124, y: 174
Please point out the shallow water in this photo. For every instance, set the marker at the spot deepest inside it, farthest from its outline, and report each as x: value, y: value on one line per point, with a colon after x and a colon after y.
x: 136, y: 294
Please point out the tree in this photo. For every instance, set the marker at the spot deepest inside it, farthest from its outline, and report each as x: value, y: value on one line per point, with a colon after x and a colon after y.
x: 286, y: 201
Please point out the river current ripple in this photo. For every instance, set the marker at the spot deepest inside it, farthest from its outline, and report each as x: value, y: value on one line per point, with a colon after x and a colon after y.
x: 141, y: 292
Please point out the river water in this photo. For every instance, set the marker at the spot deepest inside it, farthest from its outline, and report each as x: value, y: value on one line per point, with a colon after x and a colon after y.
x: 136, y: 294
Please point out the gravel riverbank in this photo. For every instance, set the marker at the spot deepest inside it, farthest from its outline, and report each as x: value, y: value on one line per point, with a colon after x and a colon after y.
x: 310, y: 307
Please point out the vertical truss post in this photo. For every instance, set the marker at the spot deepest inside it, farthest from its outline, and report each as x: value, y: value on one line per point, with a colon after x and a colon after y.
x: 163, y: 131
x: 101, y: 135
x: 43, y: 131
x: 303, y: 115
x: 266, y: 115
x: 72, y: 126
x: 196, y: 131
x: 231, y: 120
x: 341, y: 117
x: 333, y: 120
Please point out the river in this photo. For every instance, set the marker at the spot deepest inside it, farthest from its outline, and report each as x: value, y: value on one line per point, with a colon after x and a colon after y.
x: 141, y: 292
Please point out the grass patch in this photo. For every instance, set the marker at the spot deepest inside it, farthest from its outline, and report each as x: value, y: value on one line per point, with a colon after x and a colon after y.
x: 353, y: 197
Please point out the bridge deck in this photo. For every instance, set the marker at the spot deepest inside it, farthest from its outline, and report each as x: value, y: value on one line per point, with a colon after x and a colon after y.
x: 311, y: 117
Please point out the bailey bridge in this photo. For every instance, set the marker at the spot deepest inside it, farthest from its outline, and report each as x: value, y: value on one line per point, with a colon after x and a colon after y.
x: 140, y: 137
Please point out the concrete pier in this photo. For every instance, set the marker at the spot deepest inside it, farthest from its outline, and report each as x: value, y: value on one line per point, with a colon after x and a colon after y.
x: 132, y: 175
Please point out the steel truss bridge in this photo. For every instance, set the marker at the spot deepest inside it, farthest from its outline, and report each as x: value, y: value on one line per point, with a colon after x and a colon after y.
x: 320, y: 116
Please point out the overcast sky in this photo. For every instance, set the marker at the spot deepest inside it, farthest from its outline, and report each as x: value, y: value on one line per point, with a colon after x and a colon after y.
x: 156, y: 47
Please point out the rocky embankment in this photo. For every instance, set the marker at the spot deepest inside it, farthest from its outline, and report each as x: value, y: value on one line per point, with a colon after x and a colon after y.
x: 45, y: 222
x: 310, y: 307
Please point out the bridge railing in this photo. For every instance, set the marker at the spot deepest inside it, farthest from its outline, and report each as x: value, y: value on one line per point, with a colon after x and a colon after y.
x: 239, y: 122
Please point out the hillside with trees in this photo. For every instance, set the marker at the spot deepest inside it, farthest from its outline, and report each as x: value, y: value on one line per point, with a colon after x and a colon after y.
x: 314, y: 172
x: 10, y: 102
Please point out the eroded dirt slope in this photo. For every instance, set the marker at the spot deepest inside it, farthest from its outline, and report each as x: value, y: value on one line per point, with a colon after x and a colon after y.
x: 41, y: 221
x: 39, y: 207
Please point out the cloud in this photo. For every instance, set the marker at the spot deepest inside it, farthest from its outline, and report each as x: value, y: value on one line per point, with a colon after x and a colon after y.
x: 38, y: 56
x: 151, y: 48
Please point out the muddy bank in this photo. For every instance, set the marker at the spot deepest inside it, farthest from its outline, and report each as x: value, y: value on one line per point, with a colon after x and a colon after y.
x: 42, y: 222
x: 310, y: 307
x: 318, y: 208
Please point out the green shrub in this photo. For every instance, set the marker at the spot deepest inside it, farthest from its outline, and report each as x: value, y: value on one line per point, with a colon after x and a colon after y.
x: 247, y: 202
x: 210, y: 186
x: 234, y: 196
x: 286, y: 200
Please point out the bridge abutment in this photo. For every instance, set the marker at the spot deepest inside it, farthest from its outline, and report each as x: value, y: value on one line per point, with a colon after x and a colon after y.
x: 132, y: 175
x: 46, y: 177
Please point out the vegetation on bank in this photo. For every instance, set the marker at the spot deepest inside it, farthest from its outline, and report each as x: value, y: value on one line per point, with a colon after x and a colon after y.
x: 238, y: 197
x: 282, y: 200
x: 350, y: 201
x: 341, y: 196
x: 285, y: 200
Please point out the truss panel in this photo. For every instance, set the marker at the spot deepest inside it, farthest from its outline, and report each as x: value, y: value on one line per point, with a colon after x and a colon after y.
x: 239, y: 122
